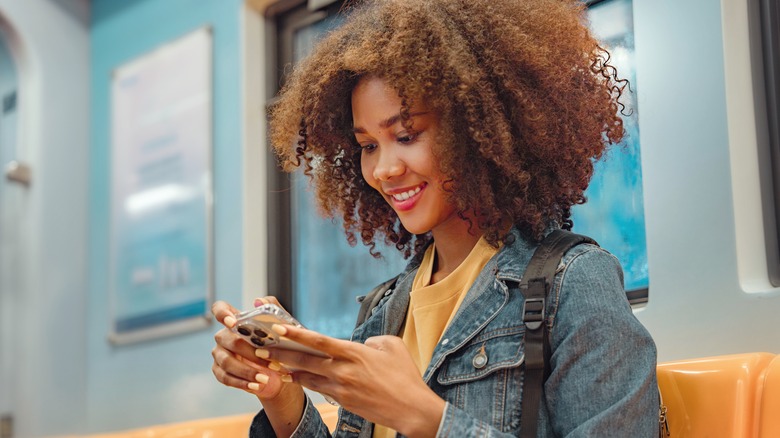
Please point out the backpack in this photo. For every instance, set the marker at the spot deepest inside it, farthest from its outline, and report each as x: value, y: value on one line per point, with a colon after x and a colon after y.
x: 534, y: 285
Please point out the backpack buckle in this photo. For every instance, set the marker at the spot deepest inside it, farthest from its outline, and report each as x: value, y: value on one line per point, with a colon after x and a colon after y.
x: 533, y: 313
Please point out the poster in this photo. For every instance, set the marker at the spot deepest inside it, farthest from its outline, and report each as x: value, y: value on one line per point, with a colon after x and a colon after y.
x: 161, y: 233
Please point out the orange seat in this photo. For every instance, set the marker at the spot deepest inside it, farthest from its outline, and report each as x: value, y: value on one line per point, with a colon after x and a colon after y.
x: 769, y: 422
x: 734, y: 396
x: 231, y: 426
x: 713, y: 396
x: 219, y: 427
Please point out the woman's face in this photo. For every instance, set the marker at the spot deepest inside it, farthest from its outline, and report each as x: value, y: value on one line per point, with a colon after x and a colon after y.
x: 397, y: 162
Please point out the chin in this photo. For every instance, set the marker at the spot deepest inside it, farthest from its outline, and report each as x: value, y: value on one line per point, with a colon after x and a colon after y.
x: 415, y: 228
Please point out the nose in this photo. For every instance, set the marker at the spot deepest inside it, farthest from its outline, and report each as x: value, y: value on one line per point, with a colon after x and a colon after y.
x: 388, y: 164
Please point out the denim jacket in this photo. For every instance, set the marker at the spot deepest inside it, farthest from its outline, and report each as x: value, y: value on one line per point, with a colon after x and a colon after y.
x: 602, y: 381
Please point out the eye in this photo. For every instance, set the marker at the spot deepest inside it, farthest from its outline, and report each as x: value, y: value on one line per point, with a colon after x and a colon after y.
x: 405, y: 138
x: 368, y: 147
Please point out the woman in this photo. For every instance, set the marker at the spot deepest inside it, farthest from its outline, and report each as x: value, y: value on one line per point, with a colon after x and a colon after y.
x: 461, y: 132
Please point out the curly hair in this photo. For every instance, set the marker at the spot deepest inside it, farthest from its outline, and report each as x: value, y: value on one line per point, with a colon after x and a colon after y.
x: 527, y: 98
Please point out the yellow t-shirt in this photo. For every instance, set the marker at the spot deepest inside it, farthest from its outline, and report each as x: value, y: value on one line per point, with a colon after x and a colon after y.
x: 432, y: 306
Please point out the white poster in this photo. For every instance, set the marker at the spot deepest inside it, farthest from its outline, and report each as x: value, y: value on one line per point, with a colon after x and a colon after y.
x: 161, y: 267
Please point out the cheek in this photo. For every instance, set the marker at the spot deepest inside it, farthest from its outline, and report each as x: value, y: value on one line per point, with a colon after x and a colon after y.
x: 367, y: 169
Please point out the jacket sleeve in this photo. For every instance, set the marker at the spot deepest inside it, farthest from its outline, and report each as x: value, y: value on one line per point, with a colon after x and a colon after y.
x: 602, y: 380
x: 311, y: 425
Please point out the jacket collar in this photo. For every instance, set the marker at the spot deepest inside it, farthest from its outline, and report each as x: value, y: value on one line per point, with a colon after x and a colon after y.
x: 507, y: 265
x: 511, y: 261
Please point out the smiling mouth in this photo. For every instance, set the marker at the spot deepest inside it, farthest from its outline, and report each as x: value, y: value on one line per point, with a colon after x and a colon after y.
x: 403, y: 196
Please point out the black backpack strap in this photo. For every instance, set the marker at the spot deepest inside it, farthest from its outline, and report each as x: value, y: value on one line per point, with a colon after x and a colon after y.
x: 535, y: 285
x: 372, y: 299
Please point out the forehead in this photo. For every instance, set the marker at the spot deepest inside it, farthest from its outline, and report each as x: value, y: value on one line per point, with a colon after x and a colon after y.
x: 374, y: 91
x: 375, y: 99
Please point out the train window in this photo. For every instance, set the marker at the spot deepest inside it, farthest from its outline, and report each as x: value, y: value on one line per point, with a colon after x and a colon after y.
x: 318, y: 275
x: 317, y: 272
x: 614, y: 214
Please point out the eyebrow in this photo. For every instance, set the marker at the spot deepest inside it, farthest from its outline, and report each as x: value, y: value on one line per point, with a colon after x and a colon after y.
x: 390, y: 121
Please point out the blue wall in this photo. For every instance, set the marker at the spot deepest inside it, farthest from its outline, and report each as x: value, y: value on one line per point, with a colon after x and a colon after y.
x: 167, y: 379
x: 8, y: 240
x: 8, y: 85
x: 47, y: 296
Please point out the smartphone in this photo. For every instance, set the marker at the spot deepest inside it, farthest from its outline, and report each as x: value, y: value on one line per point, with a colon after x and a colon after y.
x: 254, y: 326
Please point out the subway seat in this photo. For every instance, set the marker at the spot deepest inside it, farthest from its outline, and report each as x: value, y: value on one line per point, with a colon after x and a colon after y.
x: 219, y: 427
x: 722, y: 396
x: 235, y: 425
x: 769, y: 422
x: 733, y: 396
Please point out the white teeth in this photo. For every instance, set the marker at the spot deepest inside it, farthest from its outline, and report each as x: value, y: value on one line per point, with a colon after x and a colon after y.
x: 406, y: 195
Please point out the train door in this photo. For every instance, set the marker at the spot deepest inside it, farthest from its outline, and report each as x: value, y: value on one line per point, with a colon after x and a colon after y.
x: 13, y: 182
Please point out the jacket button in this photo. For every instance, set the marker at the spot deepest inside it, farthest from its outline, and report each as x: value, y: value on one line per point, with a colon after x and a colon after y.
x: 480, y: 359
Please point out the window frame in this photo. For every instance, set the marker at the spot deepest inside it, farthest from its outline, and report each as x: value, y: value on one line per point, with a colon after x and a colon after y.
x: 769, y: 17
x: 288, y: 17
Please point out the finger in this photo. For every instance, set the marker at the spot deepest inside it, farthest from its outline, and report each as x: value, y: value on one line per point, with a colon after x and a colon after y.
x: 283, y: 360
x: 226, y: 379
x: 330, y: 346
x: 235, y: 344
x: 279, y: 367
x: 260, y: 384
x: 256, y: 363
x: 265, y: 387
x: 267, y: 300
x: 238, y: 367
x: 236, y: 372
x: 224, y: 313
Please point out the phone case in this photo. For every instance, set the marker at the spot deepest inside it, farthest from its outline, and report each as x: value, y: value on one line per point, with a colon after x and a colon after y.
x: 254, y: 326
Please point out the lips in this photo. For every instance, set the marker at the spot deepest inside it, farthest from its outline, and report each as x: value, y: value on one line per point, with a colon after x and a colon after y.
x: 406, y: 198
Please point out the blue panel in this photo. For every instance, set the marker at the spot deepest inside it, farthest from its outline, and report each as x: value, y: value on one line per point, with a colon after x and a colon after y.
x: 166, y: 316
x: 614, y: 214
x: 175, y: 371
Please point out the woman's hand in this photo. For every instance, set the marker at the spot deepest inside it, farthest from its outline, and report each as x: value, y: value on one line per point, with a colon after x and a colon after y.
x: 377, y: 380
x: 237, y: 366
x: 235, y: 363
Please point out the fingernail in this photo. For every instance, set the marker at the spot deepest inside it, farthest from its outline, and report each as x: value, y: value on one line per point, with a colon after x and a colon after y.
x: 286, y: 378
x: 259, y: 302
x: 262, y: 378
x: 230, y: 321
x: 253, y: 386
x: 262, y: 353
x: 278, y: 328
x: 274, y: 366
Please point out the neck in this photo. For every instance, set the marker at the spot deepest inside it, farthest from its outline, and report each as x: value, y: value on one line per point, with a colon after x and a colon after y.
x: 453, y: 245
